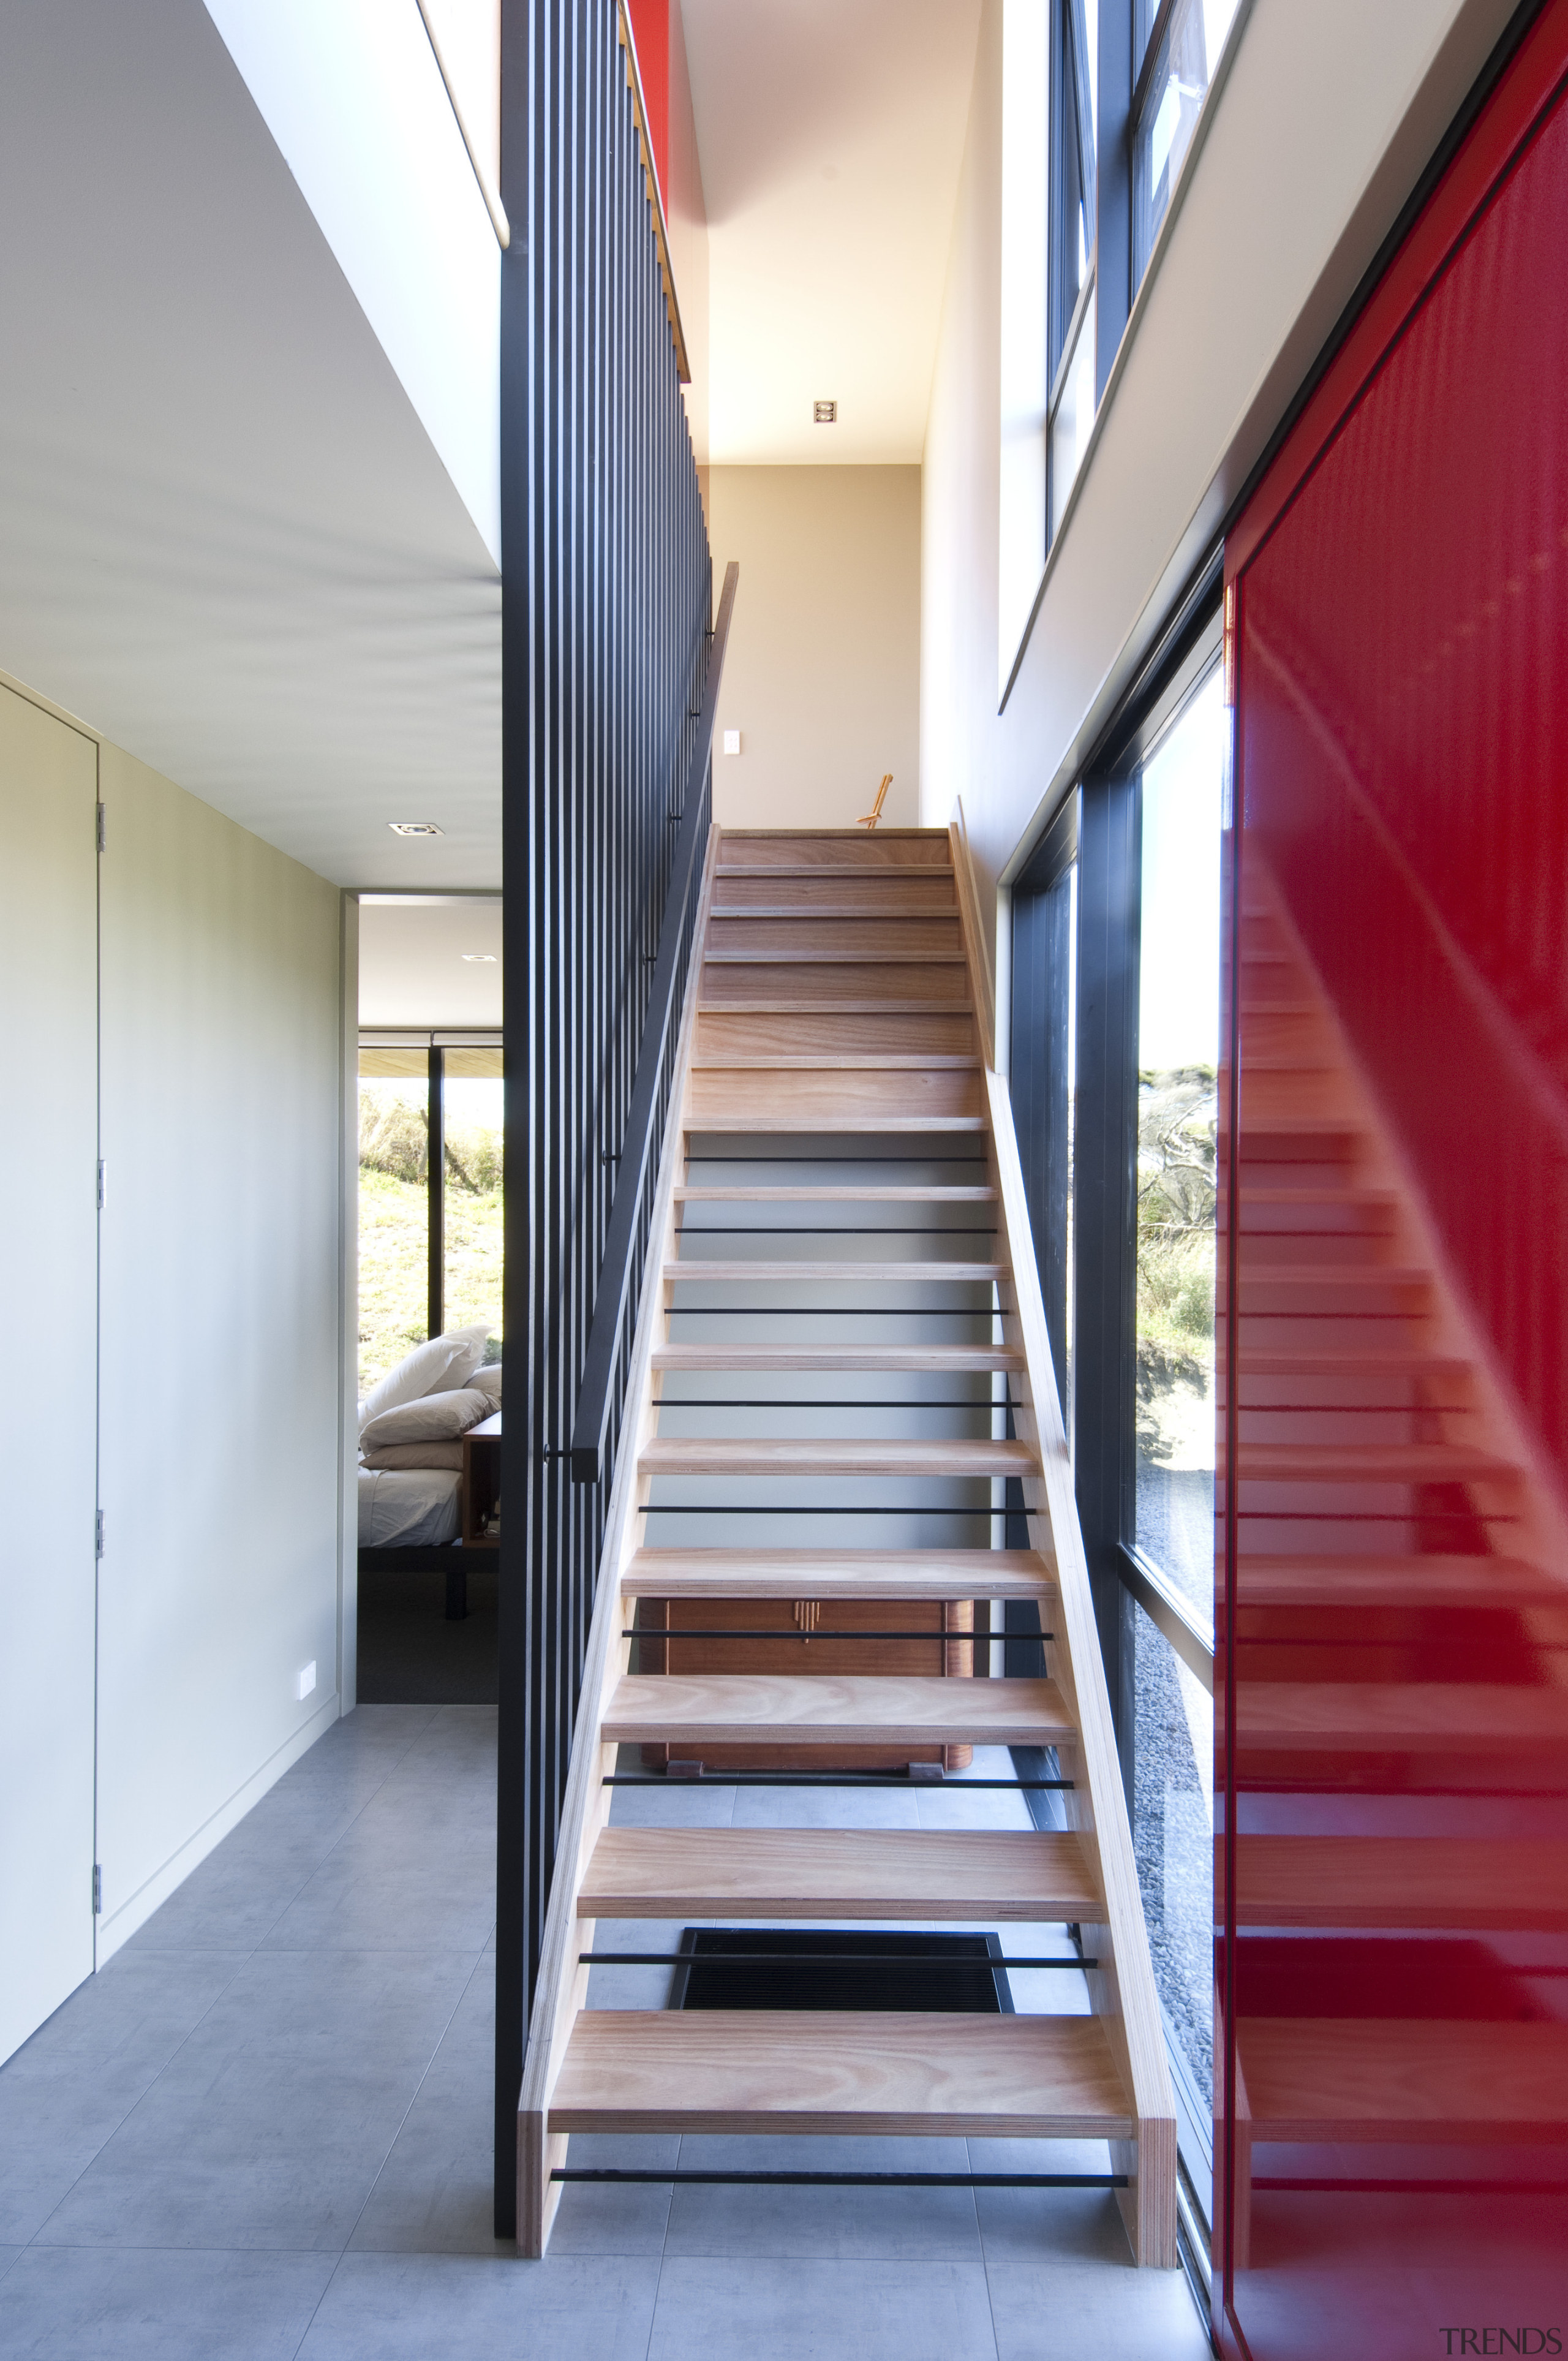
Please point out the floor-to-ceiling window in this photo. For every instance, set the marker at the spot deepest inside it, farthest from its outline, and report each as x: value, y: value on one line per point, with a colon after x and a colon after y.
x: 1116, y: 1050
x: 430, y: 1252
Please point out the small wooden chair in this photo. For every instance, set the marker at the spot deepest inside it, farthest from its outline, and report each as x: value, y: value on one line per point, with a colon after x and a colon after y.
x: 872, y: 818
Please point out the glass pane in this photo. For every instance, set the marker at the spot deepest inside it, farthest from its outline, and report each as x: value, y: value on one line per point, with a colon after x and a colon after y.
x: 1178, y: 1048
x: 1075, y: 63
x: 394, y: 1208
x: 1176, y: 89
x: 1173, y: 1824
x: 1074, y: 418
x: 473, y: 1197
x: 1042, y: 1085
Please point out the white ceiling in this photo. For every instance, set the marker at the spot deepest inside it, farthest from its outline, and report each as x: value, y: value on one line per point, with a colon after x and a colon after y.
x: 226, y: 541
x: 430, y: 964
x: 831, y: 134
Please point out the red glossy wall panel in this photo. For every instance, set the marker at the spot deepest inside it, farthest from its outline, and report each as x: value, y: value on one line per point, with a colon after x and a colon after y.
x: 650, y: 21
x: 1392, y: 1680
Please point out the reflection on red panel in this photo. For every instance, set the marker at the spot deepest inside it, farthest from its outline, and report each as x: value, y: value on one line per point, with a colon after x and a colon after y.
x: 1392, y: 1872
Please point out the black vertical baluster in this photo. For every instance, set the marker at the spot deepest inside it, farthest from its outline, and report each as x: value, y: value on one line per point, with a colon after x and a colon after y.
x: 435, y: 1190
x: 607, y: 597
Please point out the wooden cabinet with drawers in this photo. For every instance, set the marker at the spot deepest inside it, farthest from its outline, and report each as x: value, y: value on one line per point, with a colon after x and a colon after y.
x: 809, y: 1636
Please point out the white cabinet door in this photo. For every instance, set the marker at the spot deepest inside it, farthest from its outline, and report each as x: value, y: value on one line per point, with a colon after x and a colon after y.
x: 49, y: 1370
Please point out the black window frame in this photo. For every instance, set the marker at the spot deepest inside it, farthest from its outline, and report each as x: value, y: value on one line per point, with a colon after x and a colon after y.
x: 1098, y: 825
x: 1130, y: 39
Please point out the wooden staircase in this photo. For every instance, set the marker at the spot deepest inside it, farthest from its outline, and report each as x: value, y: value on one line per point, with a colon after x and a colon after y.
x: 1401, y: 1630
x: 834, y: 1092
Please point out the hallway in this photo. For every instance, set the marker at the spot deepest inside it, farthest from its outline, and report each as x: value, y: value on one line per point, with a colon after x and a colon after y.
x: 264, y: 2131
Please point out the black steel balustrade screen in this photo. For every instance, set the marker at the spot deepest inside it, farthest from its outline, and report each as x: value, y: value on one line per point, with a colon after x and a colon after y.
x: 606, y: 604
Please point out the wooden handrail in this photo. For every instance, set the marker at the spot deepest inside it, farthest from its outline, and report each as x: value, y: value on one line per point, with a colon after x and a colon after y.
x: 590, y: 1426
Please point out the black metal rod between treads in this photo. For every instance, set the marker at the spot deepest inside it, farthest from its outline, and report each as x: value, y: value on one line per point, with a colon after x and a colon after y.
x: 679, y: 1631
x: 590, y: 1426
x: 822, y: 1959
x: 762, y: 1509
x: 847, y: 2179
x: 833, y: 1779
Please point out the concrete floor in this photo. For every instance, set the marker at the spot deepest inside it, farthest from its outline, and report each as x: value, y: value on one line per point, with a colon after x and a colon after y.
x: 264, y: 2130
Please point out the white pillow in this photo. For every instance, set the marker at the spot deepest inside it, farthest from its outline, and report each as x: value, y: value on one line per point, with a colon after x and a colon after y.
x: 487, y: 1379
x: 475, y: 1338
x: 444, y: 1362
x: 416, y: 1454
x: 434, y: 1418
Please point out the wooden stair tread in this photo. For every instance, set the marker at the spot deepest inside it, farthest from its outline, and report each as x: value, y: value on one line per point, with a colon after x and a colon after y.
x: 831, y: 869
x: 837, y: 1573
x: 765, y: 1709
x: 1335, y: 1274
x: 1394, y: 1717
x: 763, y: 1117
x: 711, y: 1195
x: 838, y: 1872
x: 746, y: 1061
x: 904, y: 913
x: 841, y: 1007
x: 901, y: 1274
x: 726, y: 1456
x: 1381, y: 2079
x: 1447, y: 1582
x: 815, y: 955
x: 1347, y: 1361
x: 1400, y: 1881
x: 951, y: 1358
x: 833, y: 2071
x: 1363, y: 1463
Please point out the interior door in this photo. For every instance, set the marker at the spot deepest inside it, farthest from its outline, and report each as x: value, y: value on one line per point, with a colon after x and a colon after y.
x: 49, y: 1285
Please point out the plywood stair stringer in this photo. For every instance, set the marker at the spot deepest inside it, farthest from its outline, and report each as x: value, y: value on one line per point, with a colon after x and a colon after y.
x: 607, y: 2068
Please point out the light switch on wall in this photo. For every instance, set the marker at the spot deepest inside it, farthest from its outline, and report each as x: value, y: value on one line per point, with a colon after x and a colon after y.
x: 732, y: 742
x: 306, y: 1682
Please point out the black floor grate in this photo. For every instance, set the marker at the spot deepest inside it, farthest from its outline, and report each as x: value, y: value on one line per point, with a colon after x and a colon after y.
x: 814, y: 1968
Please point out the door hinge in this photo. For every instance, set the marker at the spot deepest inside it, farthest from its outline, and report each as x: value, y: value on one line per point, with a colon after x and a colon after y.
x: 102, y: 828
x: 99, y: 1532
x: 100, y: 1184
x: 97, y: 1890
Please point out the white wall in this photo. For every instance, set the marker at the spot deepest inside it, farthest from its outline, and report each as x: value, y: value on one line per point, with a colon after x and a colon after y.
x: 221, y: 1386
x: 1313, y: 142
x: 351, y: 93
x: 48, y: 1284
x: 822, y: 678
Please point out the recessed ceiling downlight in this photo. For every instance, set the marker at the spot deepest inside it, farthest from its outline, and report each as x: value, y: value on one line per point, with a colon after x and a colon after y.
x: 414, y: 827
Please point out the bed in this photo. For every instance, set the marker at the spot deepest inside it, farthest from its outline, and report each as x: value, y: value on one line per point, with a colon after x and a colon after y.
x: 410, y: 1518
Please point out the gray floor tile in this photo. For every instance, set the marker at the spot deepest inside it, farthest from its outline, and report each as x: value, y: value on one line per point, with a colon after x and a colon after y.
x: 1064, y: 2307
x: 629, y: 2219
x: 472, y: 2025
x: 236, y: 2205
x: 233, y: 1898
x: 1023, y: 2225
x: 8, y: 2255
x: 675, y: 1806
x: 471, y: 2308
x: 242, y: 2150
x: 410, y: 1906
x: 825, y: 1808
x: 52, y: 2127
x: 135, y: 2007
x: 796, y: 2309
x: 839, y: 2223
x: 379, y: 2006
x: 434, y: 2193
x: 62, y: 2304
